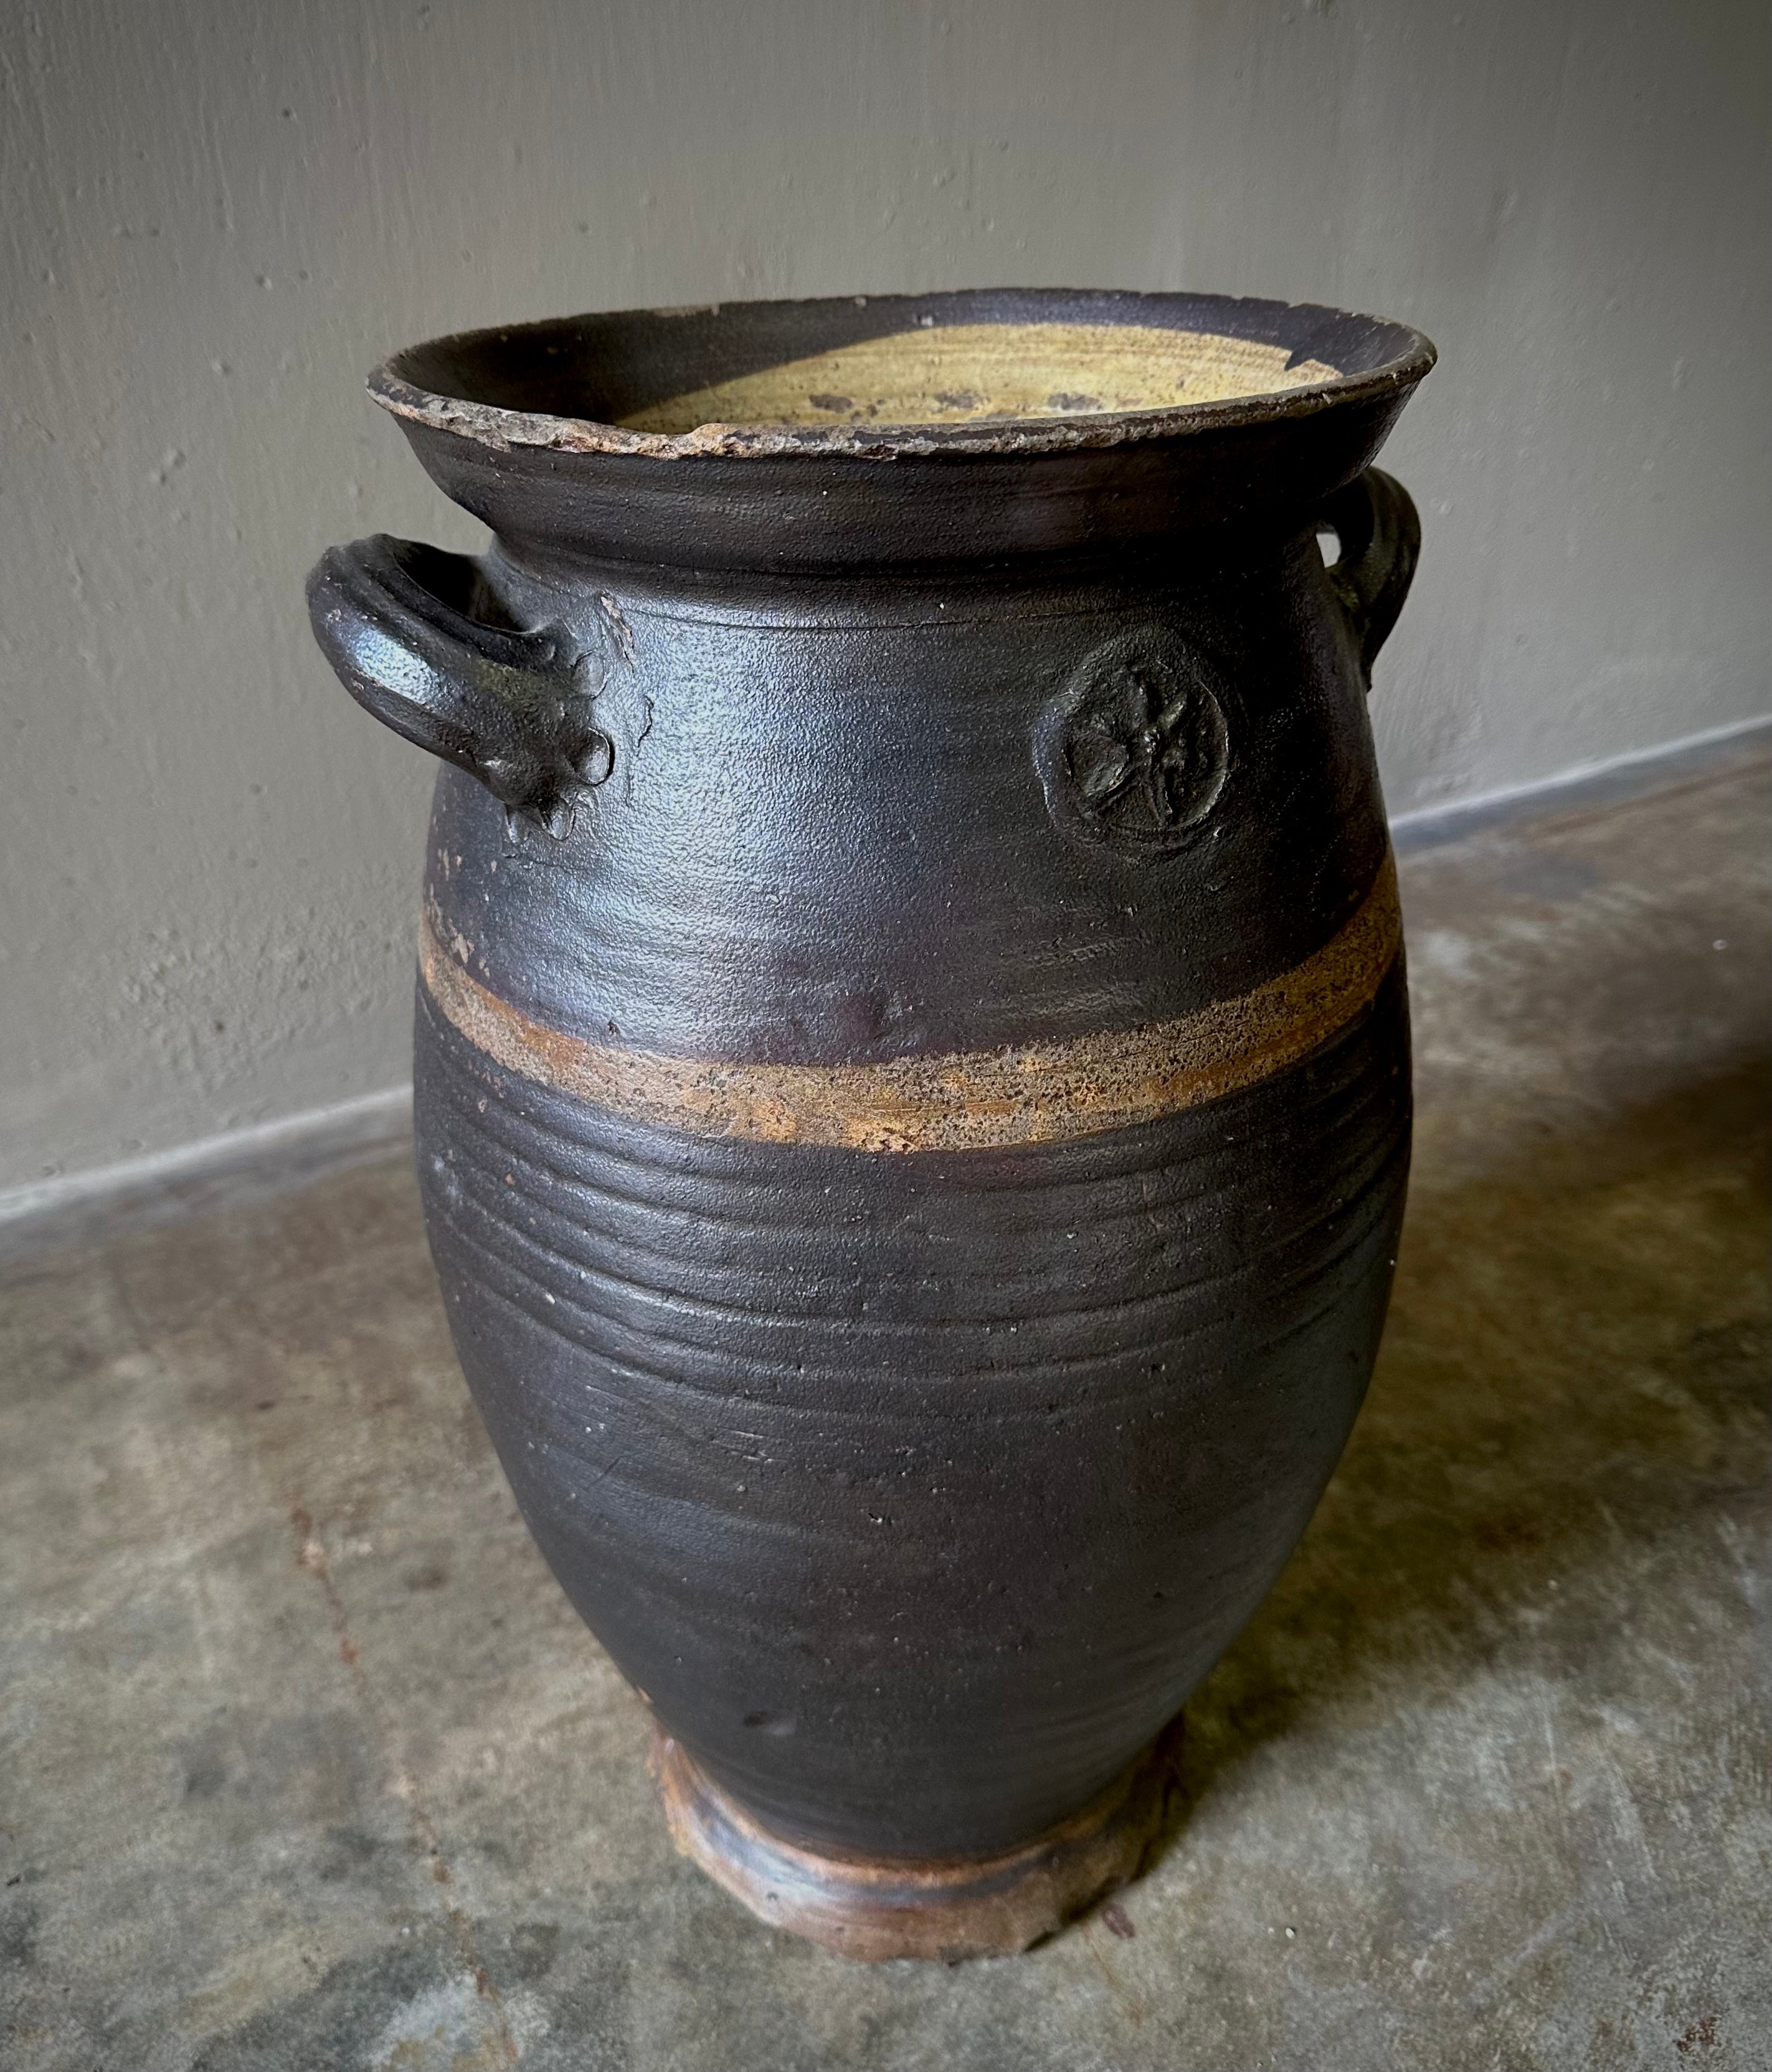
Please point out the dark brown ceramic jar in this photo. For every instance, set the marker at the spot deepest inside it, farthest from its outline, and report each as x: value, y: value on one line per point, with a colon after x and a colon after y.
x: 912, y: 1069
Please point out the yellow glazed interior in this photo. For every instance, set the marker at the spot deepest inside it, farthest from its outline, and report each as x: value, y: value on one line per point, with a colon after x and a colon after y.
x: 963, y: 372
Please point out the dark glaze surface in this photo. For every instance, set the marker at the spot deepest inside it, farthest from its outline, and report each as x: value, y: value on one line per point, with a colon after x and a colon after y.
x: 826, y: 839
x: 917, y: 1493
x: 949, y: 516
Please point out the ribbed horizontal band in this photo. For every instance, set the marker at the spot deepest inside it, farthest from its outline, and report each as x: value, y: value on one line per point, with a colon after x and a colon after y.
x: 1035, y: 1093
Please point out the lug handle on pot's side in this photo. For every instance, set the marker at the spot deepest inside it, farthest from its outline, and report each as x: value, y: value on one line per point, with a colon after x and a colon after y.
x: 1374, y: 519
x: 404, y: 627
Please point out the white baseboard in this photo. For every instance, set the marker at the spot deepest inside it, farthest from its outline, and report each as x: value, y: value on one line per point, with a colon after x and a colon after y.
x: 1612, y: 779
x: 244, y: 1165
x: 228, y: 1170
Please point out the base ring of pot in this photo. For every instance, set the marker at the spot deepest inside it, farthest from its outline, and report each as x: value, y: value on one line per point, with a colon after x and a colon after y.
x: 944, y: 1908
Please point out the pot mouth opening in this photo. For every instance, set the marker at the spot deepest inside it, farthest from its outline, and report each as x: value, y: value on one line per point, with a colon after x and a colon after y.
x: 1007, y: 370
x: 989, y: 373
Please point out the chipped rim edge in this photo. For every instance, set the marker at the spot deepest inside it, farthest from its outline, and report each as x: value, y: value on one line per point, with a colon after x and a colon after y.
x: 491, y: 425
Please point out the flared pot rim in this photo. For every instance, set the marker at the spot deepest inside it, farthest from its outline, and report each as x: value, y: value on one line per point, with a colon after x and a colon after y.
x: 479, y: 385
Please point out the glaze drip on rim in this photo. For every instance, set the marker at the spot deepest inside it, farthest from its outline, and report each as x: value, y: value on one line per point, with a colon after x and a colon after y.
x: 873, y: 377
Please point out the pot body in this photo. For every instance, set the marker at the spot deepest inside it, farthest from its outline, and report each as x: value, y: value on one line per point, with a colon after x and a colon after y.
x: 917, y: 1487
x: 914, y: 1142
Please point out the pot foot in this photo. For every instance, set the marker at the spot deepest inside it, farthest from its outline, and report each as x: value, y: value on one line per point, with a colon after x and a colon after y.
x: 943, y: 1908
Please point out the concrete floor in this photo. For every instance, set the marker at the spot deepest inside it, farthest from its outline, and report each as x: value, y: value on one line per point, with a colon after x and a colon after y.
x: 307, y: 1764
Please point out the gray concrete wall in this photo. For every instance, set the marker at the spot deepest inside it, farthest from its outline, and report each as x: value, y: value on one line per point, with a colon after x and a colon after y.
x: 218, y: 214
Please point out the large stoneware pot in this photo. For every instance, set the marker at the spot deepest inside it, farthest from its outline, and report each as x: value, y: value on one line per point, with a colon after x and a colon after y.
x: 913, y: 1091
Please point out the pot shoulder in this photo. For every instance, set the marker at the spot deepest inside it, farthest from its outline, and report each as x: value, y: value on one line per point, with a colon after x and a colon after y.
x: 867, y: 824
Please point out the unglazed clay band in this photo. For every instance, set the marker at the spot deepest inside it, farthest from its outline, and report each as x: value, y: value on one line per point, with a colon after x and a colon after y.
x: 963, y: 1101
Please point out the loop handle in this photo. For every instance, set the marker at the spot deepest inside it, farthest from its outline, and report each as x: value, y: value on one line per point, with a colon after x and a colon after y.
x: 408, y: 631
x: 1375, y: 521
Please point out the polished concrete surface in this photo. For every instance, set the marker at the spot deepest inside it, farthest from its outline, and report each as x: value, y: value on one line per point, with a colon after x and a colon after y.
x: 307, y: 1764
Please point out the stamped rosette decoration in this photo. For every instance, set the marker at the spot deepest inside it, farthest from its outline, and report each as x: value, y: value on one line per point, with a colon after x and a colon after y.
x: 1135, y: 751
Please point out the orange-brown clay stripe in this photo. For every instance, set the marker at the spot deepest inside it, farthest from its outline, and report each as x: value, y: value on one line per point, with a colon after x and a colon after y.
x: 1035, y: 1093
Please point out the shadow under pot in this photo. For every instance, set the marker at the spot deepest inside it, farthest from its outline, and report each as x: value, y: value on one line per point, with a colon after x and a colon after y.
x: 912, y: 1078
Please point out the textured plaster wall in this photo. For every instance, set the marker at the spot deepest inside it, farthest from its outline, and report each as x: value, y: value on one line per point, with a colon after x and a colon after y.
x: 217, y: 214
